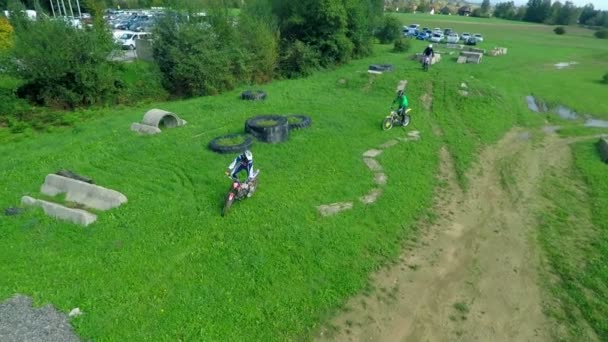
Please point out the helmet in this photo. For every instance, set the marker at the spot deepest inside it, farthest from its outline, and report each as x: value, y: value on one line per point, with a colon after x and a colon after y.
x: 248, y: 155
x: 431, y: 46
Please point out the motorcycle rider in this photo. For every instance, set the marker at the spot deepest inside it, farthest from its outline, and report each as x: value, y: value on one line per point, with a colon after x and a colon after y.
x: 401, y: 100
x: 243, y: 161
x: 429, y: 53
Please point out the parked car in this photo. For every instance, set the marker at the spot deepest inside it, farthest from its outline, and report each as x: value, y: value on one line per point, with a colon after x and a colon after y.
x: 470, y: 41
x: 447, y: 31
x: 465, y: 36
x: 453, y: 38
x: 423, y: 36
x: 478, y: 37
x: 437, y: 30
x: 436, y: 38
x: 127, y: 39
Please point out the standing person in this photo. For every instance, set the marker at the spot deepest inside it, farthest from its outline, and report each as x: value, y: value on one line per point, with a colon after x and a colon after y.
x: 401, y: 100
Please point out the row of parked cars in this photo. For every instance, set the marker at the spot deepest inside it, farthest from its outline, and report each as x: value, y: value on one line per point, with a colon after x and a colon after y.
x: 437, y: 35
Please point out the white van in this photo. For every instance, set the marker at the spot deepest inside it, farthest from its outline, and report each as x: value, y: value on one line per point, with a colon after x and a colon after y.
x: 127, y: 39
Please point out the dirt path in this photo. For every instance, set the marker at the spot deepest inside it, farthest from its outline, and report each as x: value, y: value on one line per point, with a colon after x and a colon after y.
x: 474, y: 274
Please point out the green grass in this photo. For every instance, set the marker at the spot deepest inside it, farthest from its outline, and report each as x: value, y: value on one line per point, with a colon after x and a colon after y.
x: 167, y: 266
x: 574, y: 237
x: 231, y: 141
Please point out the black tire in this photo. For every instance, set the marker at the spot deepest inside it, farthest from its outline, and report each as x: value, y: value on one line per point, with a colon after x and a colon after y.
x: 215, y: 145
x: 227, y: 204
x: 387, y: 124
x: 255, y: 95
x: 303, y: 121
x: 271, y: 133
x: 407, y: 120
x: 382, y: 67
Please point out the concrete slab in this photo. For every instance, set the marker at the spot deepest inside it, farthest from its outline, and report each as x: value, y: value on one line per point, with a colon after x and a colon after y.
x: 144, y: 129
x: 372, y: 153
x: 389, y: 143
x: 371, y: 197
x: 90, y: 195
x: 372, y: 164
x: 334, y: 208
x: 380, y: 178
x: 77, y: 216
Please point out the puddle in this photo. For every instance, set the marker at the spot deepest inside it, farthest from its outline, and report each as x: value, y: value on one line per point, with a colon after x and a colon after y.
x: 563, y: 112
x: 535, y: 106
x: 563, y: 65
x: 596, y: 123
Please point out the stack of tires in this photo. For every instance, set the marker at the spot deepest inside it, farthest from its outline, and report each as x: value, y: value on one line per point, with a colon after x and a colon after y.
x: 268, y: 128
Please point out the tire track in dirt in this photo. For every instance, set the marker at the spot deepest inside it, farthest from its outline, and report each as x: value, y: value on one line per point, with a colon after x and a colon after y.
x: 474, y: 274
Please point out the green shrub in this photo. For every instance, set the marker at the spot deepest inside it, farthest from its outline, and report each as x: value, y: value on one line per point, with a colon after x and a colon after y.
x: 139, y: 81
x: 559, y: 30
x: 402, y: 45
x: 389, y: 31
x: 198, y: 56
x: 298, y: 59
x: 605, y: 78
x: 601, y: 34
x: 62, y: 66
x: 260, y: 45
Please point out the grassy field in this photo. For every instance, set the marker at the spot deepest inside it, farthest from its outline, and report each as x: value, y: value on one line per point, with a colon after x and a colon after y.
x: 573, y: 229
x: 166, y: 266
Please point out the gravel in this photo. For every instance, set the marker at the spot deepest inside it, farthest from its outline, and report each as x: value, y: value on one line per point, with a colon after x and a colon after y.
x: 20, y: 322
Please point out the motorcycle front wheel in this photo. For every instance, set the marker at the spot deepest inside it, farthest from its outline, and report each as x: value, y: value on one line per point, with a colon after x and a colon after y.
x: 387, y: 124
x: 407, y: 120
x: 227, y: 203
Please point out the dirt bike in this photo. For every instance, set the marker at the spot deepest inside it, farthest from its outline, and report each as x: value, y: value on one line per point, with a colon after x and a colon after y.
x: 426, y: 62
x: 395, y: 119
x: 240, y: 190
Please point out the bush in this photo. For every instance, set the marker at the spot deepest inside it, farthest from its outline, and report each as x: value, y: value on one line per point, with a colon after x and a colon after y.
x: 402, y: 45
x: 605, y: 78
x: 198, y: 56
x: 6, y: 35
x: 602, y: 34
x: 559, y: 30
x: 298, y: 59
x: 62, y: 66
x: 390, y: 30
x: 261, y: 48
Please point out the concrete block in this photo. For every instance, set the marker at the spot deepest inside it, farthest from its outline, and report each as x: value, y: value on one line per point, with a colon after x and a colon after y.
x: 372, y: 153
x: 371, y: 197
x: 461, y: 60
x: 90, y: 195
x: 144, y: 129
x: 78, y: 216
x: 372, y: 164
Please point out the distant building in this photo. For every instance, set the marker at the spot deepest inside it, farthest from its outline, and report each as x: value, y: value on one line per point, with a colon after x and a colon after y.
x: 465, y: 11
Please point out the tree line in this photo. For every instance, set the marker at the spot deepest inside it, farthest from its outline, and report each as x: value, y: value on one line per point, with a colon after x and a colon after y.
x: 194, y: 55
x: 553, y: 13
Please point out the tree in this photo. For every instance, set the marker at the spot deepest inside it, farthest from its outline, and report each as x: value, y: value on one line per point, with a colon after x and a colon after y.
x: 538, y: 11
x: 485, y: 7
x: 61, y: 65
x: 556, y: 9
x: 505, y: 10
x: 568, y: 14
x: 587, y: 13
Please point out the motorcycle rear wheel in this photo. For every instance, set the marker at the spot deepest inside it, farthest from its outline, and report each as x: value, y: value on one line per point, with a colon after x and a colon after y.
x: 387, y: 124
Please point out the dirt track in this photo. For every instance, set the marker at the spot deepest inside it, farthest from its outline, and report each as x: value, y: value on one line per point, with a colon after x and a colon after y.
x: 473, y: 276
